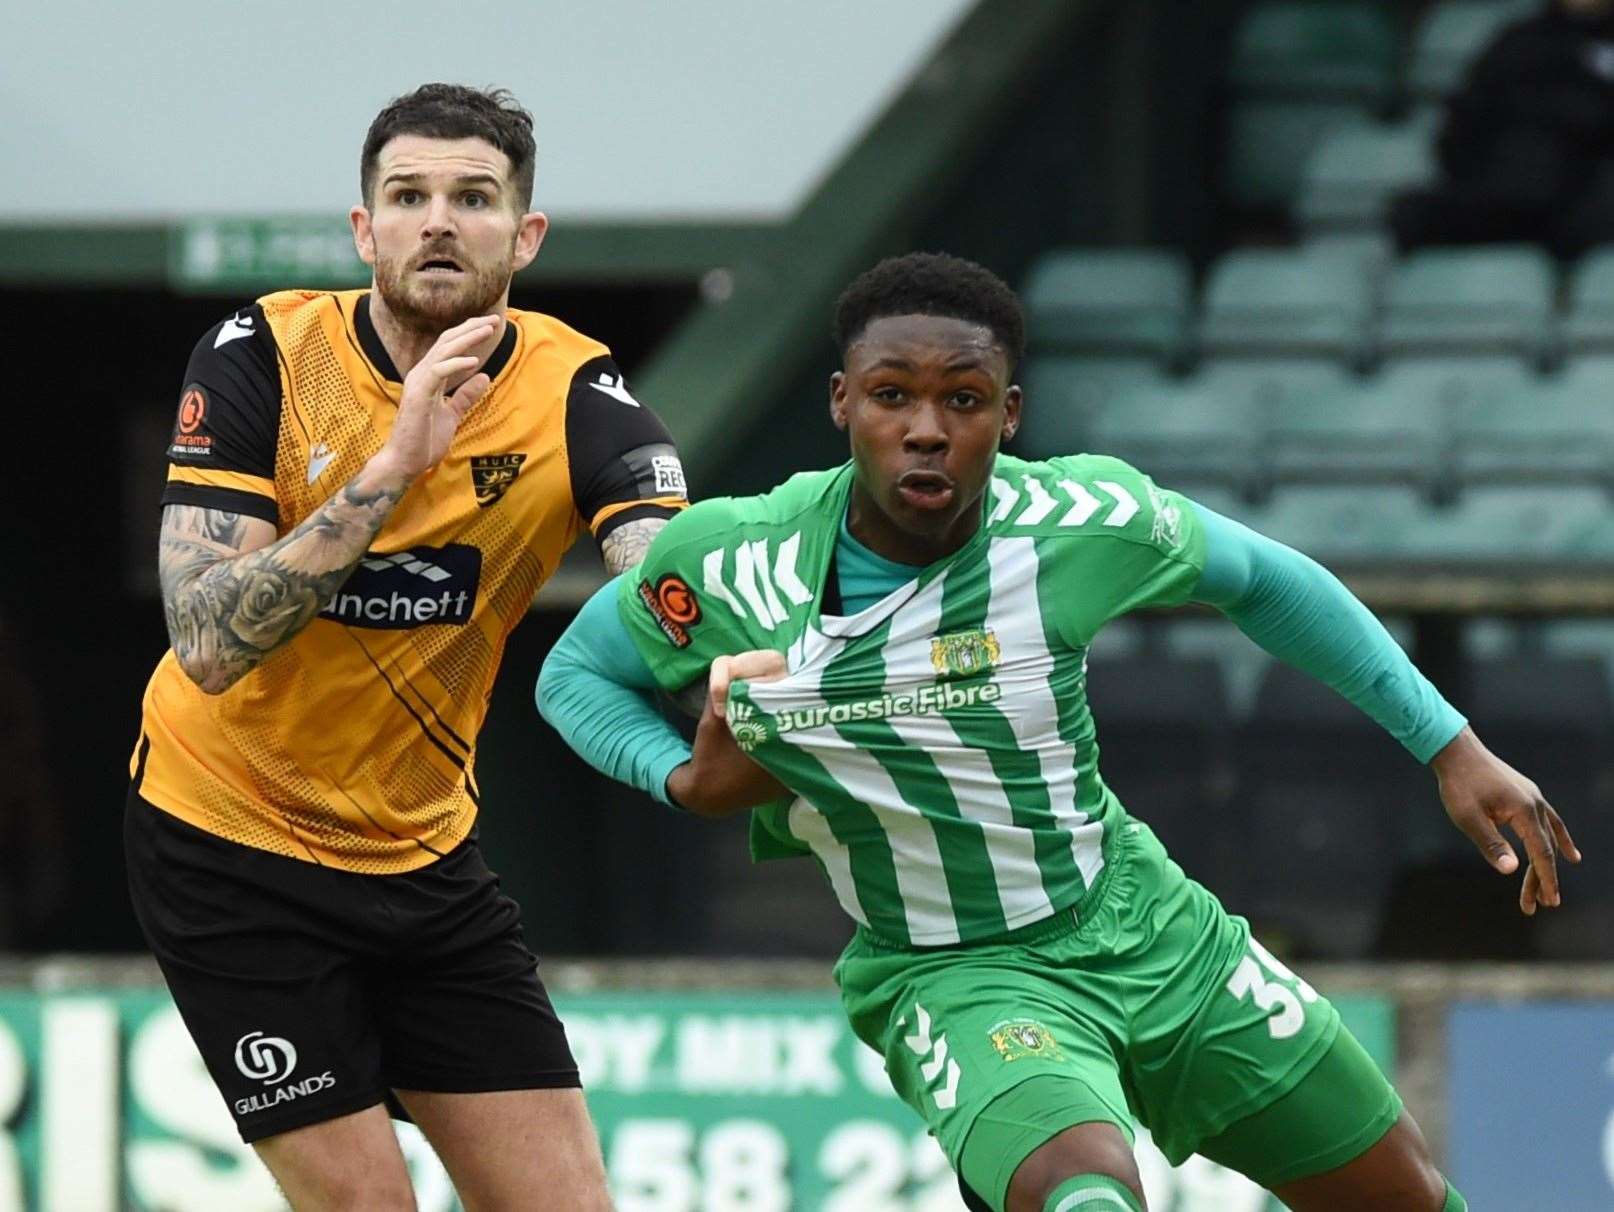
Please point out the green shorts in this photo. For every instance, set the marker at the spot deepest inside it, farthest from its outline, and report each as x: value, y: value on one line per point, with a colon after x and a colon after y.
x: 1155, y: 1003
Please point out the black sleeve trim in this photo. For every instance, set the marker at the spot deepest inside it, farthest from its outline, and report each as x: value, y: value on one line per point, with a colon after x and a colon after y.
x: 619, y: 451
x: 229, y: 500
x: 635, y: 514
x: 229, y: 407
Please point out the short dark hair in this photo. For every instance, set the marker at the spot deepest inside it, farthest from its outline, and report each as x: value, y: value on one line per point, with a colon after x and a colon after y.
x: 932, y: 284
x: 455, y: 111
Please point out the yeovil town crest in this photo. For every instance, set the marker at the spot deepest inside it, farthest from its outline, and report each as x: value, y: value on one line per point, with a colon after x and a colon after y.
x: 965, y: 653
x: 1021, y: 1038
x: 492, y: 475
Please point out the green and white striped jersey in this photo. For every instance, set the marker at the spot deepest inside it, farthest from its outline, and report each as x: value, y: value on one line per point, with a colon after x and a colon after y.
x: 939, y: 742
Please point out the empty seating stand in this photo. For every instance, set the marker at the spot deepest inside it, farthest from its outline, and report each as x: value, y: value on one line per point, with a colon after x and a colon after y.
x: 1353, y: 173
x: 1359, y: 435
x: 1264, y: 302
x: 1588, y: 325
x: 1064, y: 392
x: 1515, y: 526
x: 1113, y: 302
x: 1316, y: 48
x: 1185, y: 434
x: 1451, y: 36
x: 1299, y: 71
x: 1469, y: 300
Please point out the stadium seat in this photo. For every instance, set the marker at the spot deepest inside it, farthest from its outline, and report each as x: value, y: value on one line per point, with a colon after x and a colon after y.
x: 1185, y: 435
x: 1350, y: 178
x: 1266, y: 301
x: 1516, y: 525
x: 1063, y: 393
x: 1108, y: 301
x: 1269, y: 144
x: 1332, y: 48
x: 1588, y: 326
x: 1362, y: 434
x: 1561, y: 434
x: 1461, y: 383
x: 1324, y: 798
x: 1451, y: 36
x: 1369, y: 253
x: 1165, y: 727
x: 1340, y: 525
x: 1216, y: 497
x: 1469, y: 300
x: 1272, y: 384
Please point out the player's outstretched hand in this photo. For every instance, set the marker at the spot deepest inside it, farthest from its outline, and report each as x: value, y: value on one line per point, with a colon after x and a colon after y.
x: 719, y: 779
x: 428, y: 416
x: 1482, y: 793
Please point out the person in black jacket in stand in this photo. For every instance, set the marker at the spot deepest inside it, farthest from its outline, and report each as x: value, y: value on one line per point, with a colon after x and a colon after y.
x: 1527, y: 148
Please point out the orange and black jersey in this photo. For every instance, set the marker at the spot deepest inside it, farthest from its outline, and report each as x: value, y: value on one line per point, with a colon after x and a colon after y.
x: 353, y: 744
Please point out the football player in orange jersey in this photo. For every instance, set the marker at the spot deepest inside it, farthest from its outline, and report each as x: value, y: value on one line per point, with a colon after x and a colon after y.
x: 366, y: 488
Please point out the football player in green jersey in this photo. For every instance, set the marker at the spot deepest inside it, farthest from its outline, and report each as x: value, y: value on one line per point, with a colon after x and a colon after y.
x: 892, y: 654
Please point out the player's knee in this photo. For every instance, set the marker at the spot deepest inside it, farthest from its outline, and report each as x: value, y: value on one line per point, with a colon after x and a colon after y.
x: 1410, y: 1166
x: 351, y: 1192
x: 1095, y: 1148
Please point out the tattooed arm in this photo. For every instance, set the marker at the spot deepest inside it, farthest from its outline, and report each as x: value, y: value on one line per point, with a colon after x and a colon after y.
x: 625, y: 546
x: 231, y: 597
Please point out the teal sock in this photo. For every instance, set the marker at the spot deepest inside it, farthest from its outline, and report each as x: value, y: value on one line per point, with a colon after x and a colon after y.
x: 1454, y: 1202
x: 1092, y: 1193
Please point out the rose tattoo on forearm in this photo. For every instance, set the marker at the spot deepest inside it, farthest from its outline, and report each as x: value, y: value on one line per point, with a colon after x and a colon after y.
x: 226, y: 612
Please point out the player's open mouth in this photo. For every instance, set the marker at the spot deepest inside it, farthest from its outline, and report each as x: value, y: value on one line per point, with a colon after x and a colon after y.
x: 440, y: 265
x: 925, y: 489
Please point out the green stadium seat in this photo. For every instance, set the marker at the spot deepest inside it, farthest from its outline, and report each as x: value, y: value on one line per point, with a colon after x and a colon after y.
x: 1269, y: 144
x: 1369, y: 253
x: 1461, y: 383
x: 1314, y: 48
x: 1280, y: 301
x: 1185, y: 435
x: 1361, y: 435
x: 1062, y: 393
x: 1272, y: 383
x: 1561, y: 433
x: 1336, y: 524
x: 1452, y: 35
x: 1589, y: 324
x: 1109, y: 301
x: 1512, y: 525
x: 1216, y: 497
x: 1350, y: 178
x: 1469, y: 300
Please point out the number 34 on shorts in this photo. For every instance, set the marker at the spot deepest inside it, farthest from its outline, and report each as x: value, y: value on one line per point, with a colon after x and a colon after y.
x: 1288, y: 1015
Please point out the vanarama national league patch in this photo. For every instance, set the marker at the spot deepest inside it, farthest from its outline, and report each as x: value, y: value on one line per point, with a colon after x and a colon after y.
x: 674, y: 606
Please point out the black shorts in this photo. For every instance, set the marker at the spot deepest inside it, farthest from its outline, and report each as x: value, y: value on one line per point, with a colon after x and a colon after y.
x: 312, y: 992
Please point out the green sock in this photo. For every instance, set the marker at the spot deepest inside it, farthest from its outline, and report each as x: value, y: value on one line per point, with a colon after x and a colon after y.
x: 1454, y: 1202
x: 1092, y: 1193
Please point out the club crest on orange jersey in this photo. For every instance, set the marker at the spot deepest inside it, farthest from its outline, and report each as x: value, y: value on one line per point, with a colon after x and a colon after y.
x: 492, y: 475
